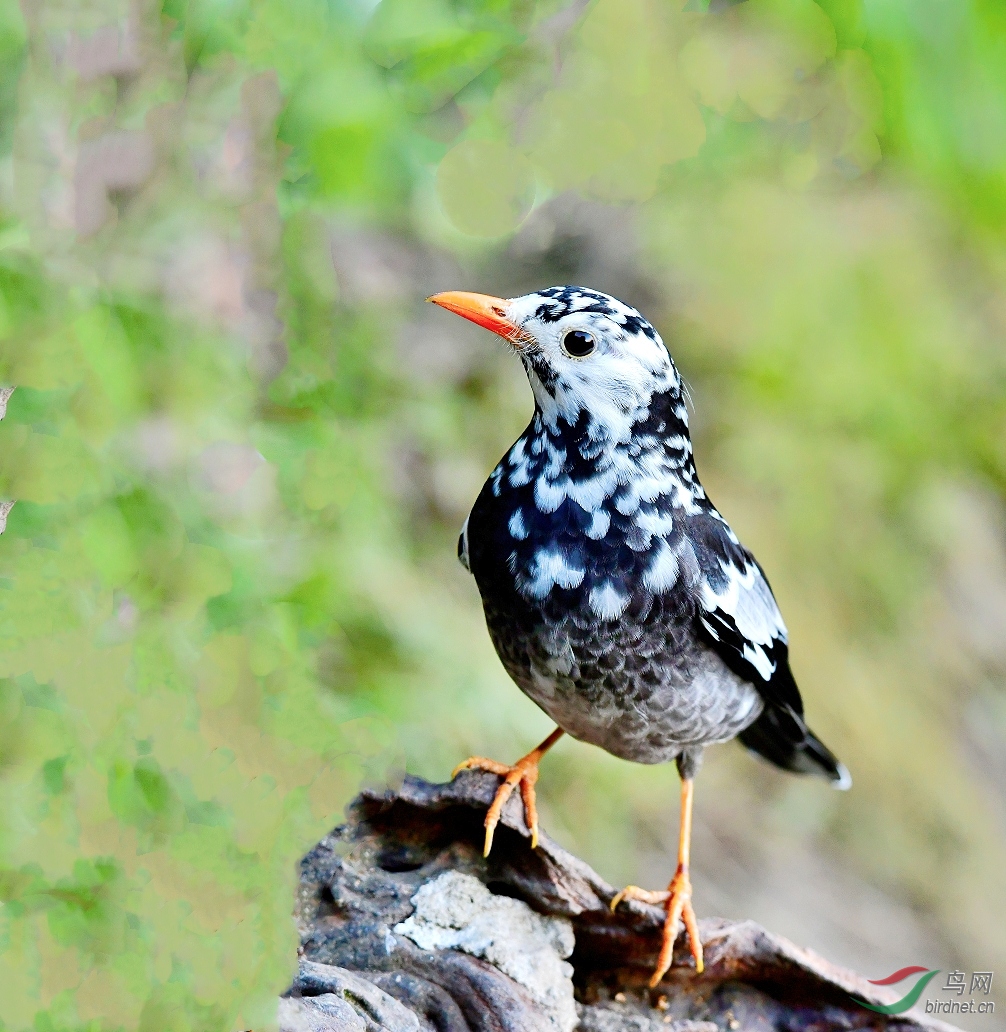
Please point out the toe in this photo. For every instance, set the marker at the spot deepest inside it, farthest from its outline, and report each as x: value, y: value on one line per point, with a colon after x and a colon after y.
x: 490, y: 831
x: 634, y: 892
x: 523, y: 773
x: 530, y: 809
x: 481, y: 763
x: 694, y: 941
x: 666, y: 953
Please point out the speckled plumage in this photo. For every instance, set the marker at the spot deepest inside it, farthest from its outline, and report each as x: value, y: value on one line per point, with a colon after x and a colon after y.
x: 617, y: 597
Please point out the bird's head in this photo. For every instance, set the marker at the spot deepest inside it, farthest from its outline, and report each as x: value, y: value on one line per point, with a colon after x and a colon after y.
x: 585, y: 353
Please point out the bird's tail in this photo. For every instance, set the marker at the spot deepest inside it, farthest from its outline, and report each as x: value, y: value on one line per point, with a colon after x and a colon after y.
x: 781, y: 736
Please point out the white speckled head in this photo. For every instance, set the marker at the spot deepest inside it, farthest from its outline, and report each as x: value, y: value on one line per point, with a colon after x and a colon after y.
x: 584, y: 352
x: 592, y: 353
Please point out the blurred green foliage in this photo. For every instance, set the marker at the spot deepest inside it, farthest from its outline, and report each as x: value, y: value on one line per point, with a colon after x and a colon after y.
x: 221, y: 610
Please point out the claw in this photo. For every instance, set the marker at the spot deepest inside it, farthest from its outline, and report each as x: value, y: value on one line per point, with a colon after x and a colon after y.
x: 521, y: 773
x: 480, y: 763
x: 679, y: 907
x: 496, y: 809
x: 642, y: 895
x: 530, y: 806
x: 524, y: 773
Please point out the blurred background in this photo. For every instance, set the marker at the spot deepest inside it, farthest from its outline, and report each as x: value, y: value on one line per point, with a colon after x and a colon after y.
x: 241, y: 449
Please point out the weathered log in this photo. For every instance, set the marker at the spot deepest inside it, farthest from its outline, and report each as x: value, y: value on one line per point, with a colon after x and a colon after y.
x: 405, y: 927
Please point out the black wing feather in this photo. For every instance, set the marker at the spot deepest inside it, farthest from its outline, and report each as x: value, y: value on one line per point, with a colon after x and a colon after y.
x: 738, y: 616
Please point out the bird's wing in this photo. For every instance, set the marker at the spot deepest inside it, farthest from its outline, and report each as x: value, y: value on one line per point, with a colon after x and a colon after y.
x: 463, y: 546
x: 739, y: 615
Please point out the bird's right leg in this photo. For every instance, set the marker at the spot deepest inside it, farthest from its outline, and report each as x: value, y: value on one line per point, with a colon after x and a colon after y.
x: 677, y: 898
x: 524, y: 773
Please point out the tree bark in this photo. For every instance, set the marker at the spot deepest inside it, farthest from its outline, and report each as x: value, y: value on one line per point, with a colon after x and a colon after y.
x: 405, y: 927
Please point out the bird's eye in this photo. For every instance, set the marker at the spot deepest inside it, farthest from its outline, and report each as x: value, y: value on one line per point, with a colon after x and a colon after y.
x: 578, y: 344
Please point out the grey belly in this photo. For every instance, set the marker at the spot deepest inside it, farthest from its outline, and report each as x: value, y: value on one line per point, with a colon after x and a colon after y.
x: 642, y: 691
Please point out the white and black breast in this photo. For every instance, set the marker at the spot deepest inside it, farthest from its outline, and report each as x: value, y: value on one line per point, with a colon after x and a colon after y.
x: 616, y: 596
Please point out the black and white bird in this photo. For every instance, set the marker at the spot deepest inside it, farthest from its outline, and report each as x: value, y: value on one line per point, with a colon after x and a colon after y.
x: 617, y: 597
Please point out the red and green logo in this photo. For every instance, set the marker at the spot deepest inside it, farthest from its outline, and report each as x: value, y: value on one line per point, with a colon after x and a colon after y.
x: 910, y: 998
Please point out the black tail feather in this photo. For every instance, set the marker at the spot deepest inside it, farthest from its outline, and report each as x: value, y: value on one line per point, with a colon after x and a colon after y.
x: 781, y: 736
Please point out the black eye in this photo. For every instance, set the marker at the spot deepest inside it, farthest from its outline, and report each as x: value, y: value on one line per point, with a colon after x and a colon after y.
x: 578, y: 344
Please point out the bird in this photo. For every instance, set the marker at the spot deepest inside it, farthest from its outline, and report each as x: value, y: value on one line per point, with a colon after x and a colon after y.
x: 616, y: 595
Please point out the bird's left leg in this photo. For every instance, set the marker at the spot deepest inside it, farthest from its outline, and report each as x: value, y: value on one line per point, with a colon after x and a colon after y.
x: 677, y: 899
x: 524, y: 773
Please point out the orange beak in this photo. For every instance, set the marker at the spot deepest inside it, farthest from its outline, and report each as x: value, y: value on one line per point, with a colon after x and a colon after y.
x: 483, y: 309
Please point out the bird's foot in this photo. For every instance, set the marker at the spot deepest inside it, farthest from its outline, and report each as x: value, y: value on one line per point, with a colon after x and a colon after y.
x: 524, y: 773
x: 677, y: 900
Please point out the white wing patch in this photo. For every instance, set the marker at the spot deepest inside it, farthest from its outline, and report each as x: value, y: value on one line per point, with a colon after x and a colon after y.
x: 463, y: 545
x: 755, y: 655
x: 747, y: 600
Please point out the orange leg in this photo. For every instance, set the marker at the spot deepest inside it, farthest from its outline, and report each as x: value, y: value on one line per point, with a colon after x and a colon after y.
x: 524, y: 773
x: 677, y: 899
